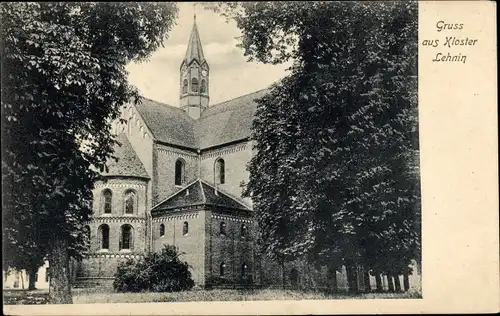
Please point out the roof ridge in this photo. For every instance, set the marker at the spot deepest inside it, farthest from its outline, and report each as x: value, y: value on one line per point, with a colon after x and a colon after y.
x: 226, y: 194
x: 202, y: 192
x: 241, y: 96
x: 175, y: 193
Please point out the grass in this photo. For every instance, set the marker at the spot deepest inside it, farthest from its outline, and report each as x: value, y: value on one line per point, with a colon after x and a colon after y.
x: 87, y: 296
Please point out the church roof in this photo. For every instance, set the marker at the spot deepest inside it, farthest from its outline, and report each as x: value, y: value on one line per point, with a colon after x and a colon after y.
x: 200, y: 192
x: 228, y: 121
x: 194, y: 50
x: 219, y: 124
x: 168, y: 123
x: 128, y: 163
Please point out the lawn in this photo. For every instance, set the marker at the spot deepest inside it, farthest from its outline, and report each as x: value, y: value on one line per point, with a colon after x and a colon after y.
x: 85, y: 296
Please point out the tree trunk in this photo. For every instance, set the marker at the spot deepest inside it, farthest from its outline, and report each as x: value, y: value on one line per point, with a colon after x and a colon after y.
x: 390, y: 283
x: 283, y: 274
x: 378, y: 282
x: 60, y: 288
x: 406, y: 282
x: 368, y: 287
x: 333, y: 284
x: 352, y: 277
x: 32, y: 278
x: 397, y: 283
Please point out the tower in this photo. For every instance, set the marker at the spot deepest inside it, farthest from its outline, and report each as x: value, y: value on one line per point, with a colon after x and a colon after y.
x: 194, y: 77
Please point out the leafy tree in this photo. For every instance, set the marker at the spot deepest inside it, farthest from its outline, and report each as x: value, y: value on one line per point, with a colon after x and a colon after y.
x: 157, y: 272
x: 63, y: 82
x: 336, y: 173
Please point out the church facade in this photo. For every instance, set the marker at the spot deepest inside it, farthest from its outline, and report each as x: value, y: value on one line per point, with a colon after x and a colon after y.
x: 177, y: 182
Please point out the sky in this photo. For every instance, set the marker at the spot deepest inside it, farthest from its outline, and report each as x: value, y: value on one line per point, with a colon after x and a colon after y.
x: 231, y: 75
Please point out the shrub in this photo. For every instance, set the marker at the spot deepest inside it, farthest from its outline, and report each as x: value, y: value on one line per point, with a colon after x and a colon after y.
x: 157, y: 272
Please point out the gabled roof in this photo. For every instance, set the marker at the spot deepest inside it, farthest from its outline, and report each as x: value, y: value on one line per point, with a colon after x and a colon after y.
x: 194, y: 50
x: 200, y: 192
x: 128, y: 163
x: 168, y: 123
x: 228, y: 121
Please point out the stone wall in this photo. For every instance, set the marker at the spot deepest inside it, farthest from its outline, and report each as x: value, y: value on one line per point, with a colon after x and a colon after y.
x: 164, y: 170
x: 236, y: 158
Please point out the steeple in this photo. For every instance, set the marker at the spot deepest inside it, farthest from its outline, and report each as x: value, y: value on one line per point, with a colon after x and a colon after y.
x: 194, y: 77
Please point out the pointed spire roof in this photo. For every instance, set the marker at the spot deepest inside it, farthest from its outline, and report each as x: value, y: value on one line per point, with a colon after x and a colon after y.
x: 194, y: 49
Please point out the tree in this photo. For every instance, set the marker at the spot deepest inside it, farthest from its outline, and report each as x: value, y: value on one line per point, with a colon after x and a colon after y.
x: 63, y: 82
x: 336, y: 171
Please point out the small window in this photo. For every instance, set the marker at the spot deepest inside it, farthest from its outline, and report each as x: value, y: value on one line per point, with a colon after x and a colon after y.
x: 194, y: 85
x: 185, y: 86
x: 179, y: 172
x: 220, y: 171
x: 222, y: 269
x: 223, y: 228
x: 126, y: 237
x: 203, y: 86
x: 162, y: 230
x: 244, y: 230
x: 185, y: 228
x: 104, y: 230
x: 107, y: 201
x: 36, y: 277
x: 130, y: 199
x: 47, y: 274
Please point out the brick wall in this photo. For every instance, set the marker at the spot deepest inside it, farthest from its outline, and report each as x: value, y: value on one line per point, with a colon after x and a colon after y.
x: 231, y: 249
x: 164, y: 172
x: 236, y: 158
x: 191, y: 245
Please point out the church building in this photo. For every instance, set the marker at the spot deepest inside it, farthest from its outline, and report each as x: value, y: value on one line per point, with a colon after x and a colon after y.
x: 177, y: 182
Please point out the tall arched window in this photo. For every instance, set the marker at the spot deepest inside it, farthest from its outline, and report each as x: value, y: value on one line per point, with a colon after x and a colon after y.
x: 223, y: 228
x: 244, y: 230
x: 194, y: 85
x: 179, y: 172
x: 104, y: 235
x: 220, y: 171
x: 185, y: 86
x: 222, y: 269
x: 203, y: 86
x: 162, y: 230
x: 126, y: 237
x: 130, y: 201
x: 107, y: 197
x: 185, y: 228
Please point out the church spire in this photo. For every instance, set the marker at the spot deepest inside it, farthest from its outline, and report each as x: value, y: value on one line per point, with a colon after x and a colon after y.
x: 194, y: 79
x: 194, y: 50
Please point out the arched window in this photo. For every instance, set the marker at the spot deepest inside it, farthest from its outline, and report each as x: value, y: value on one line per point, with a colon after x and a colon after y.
x: 130, y: 201
x: 107, y: 196
x: 203, y: 86
x: 223, y: 228
x: 126, y: 237
x: 185, y: 86
x: 185, y: 228
x: 104, y: 234
x: 220, y: 171
x: 179, y: 172
x: 222, y: 269
x: 162, y: 229
x: 244, y: 270
x: 194, y: 85
x: 244, y: 230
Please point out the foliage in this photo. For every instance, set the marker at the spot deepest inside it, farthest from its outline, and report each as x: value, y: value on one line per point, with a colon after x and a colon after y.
x: 336, y: 174
x: 63, y: 82
x: 157, y: 272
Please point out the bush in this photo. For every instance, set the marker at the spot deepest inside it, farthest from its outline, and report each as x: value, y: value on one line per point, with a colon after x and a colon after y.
x: 157, y: 272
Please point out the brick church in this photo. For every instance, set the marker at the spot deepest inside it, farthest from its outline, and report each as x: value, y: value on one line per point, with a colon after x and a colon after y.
x: 177, y: 182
